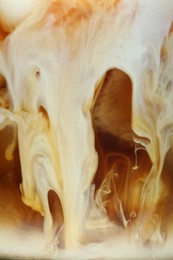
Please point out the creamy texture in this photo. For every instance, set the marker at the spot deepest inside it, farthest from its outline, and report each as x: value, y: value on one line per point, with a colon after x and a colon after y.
x: 12, y: 13
x: 53, y: 63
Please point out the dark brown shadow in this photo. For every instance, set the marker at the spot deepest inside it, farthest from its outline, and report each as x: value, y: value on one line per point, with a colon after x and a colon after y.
x: 122, y: 168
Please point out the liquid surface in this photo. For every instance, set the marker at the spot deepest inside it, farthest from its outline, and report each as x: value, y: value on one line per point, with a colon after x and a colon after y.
x: 86, y: 92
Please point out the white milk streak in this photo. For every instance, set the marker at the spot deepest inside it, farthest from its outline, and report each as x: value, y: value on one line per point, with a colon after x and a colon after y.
x: 58, y: 67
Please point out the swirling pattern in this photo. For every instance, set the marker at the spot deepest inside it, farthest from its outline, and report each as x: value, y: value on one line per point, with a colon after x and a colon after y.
x: 52, y: 67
